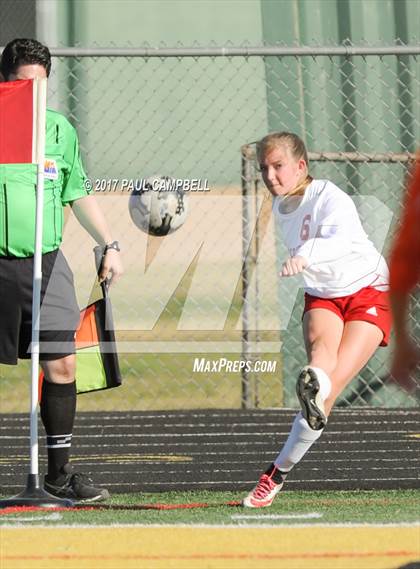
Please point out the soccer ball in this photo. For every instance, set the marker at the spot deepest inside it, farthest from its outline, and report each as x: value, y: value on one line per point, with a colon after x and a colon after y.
x: 157, y: 206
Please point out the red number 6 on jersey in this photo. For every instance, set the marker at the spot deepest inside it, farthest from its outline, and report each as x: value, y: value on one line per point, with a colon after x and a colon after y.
x: 304, y: 231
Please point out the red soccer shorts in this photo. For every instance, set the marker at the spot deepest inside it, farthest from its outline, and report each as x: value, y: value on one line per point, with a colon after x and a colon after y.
x: 368, y: 304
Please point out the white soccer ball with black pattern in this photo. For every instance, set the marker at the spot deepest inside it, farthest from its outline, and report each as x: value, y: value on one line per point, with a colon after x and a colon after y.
x: 156, y: 207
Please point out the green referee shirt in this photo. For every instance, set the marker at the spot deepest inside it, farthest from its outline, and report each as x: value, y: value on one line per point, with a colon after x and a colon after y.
x: 64, y: 182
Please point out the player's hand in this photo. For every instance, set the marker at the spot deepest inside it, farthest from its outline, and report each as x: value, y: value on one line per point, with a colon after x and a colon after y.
x: 293, y: 266
x: 112, y: 267
x: 405, y: 358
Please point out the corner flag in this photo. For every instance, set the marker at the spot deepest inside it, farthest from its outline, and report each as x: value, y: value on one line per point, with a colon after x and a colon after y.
x: 17, y: 114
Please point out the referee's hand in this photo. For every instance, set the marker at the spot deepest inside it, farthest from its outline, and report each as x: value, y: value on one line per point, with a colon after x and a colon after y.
x: 112, y: 267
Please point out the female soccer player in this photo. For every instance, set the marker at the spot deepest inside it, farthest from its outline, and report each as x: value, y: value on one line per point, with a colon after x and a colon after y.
x: 346, y: 314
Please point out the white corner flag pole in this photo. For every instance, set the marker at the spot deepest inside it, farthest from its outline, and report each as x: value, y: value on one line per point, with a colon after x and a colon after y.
x: 38, y: 157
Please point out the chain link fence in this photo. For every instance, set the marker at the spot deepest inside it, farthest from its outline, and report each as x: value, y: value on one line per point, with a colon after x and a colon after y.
x: 185, y: 113
x: 12, y: 26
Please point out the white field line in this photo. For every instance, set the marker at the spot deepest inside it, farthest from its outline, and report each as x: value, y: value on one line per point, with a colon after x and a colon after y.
x: 54, y: 517
x: 308, y: 516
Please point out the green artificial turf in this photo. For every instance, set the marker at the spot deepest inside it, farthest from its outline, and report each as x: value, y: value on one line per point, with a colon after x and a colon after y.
x: 373, y: 507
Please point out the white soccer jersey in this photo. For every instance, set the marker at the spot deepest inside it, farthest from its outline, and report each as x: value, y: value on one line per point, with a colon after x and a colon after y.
x: 326, y: 230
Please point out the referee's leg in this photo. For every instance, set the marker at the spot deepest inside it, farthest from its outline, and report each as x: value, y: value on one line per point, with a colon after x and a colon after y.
x: 59, y: 319
x: 58, y: 410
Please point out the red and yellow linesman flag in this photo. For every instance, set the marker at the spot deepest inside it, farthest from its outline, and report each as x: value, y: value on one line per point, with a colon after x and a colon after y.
x: 97, y: 365
x: 97, y: 362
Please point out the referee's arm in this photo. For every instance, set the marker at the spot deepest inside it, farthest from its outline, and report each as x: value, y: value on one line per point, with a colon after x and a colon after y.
x: 91, y: 218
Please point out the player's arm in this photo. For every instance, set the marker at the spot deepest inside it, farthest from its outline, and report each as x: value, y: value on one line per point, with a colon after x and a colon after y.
x: 91, y: 218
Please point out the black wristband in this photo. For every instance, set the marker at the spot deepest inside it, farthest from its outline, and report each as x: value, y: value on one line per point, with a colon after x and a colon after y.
x: 114, y: 245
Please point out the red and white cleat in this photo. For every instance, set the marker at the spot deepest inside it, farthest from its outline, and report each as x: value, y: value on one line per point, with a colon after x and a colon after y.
x: 264, y: 493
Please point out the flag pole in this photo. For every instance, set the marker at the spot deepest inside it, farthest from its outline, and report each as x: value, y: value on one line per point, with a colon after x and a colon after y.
x: 33, y: 494
x: 39, y: 158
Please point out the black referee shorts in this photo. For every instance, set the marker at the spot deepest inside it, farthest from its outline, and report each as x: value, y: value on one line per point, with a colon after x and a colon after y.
x: 59, y: 316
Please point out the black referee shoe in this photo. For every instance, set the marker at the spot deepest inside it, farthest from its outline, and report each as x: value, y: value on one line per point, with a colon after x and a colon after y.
x: 75, y: 486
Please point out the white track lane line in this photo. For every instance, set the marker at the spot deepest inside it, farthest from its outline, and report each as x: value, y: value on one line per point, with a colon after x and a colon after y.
x: 238, y: 527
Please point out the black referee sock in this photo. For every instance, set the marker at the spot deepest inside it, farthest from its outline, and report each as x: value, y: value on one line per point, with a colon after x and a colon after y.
x: 58, y: 409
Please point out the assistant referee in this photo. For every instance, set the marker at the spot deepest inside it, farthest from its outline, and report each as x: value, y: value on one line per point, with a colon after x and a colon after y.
x: 65, y: 184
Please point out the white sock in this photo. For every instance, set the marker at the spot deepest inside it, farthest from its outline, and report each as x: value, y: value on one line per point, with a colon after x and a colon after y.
x: 324, y: 382
x: 300, y: 440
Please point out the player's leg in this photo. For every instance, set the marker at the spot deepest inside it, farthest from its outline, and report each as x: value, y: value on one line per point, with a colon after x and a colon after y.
x: 359, y: 342
x: 367, y: 325
x: 323, y: 330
